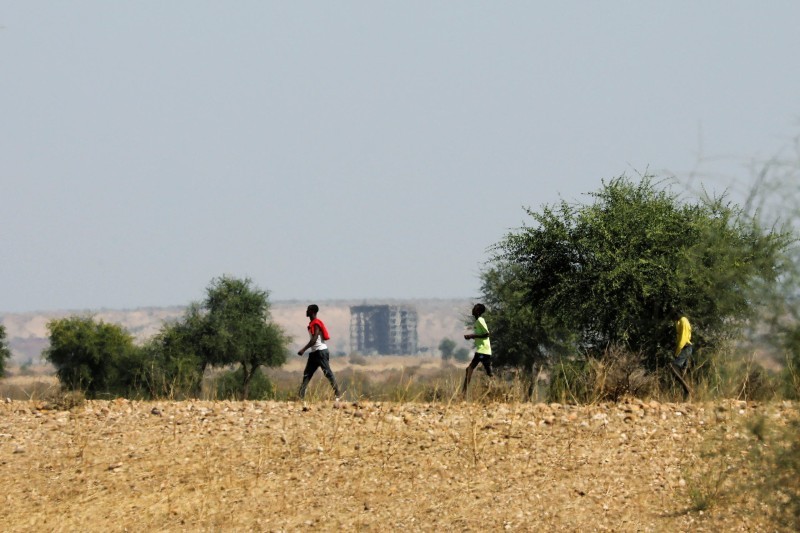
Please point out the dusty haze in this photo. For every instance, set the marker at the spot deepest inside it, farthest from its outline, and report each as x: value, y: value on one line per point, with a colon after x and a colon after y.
x: 436, y: 319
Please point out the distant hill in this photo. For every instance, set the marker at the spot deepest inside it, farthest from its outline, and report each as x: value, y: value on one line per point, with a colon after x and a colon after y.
x: 436, y: 319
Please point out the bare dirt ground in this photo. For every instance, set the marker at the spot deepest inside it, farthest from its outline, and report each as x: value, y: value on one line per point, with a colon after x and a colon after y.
x: 281, y: 466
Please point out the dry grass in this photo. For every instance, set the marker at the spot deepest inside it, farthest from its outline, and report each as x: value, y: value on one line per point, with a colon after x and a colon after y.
x: 33, y: 387
x: 419, y: 459
x: 384, y: 378
x: 269, y: 466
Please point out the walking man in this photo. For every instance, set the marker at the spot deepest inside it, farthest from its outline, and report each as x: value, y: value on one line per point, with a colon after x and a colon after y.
x: 483, y: 348
x: 318, y: 357
x: 683, y: 346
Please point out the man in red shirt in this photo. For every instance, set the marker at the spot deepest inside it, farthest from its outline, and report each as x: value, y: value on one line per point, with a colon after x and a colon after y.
x: 318, y: 357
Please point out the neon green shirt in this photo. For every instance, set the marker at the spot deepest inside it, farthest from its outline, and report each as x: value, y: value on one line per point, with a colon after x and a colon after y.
x: 482, y: 345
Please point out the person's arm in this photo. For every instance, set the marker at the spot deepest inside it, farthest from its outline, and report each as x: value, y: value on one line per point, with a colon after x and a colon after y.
x: 482, y: 335
x: 314, y: 336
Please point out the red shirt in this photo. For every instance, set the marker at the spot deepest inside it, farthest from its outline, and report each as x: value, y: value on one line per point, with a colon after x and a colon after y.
x: 322, y: 328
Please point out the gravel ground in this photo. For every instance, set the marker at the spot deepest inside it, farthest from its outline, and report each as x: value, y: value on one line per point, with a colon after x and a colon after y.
x: 282, y: 466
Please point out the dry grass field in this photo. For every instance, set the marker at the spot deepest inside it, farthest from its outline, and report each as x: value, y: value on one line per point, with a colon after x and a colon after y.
x: 368, y: 466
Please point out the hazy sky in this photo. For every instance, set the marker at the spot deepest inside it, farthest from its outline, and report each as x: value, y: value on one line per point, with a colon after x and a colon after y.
x: 349, y: 149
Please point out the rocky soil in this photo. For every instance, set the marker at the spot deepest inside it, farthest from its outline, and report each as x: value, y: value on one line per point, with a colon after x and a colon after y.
x: 283, y: 466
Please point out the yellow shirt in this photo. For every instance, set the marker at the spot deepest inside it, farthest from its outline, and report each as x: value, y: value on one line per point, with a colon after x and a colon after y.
x: 482, y: 345
x: 684, y: 334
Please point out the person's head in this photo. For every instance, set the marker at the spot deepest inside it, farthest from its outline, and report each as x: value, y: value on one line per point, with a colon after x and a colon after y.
x: 312, y: 310
x: 478, y: 310
x: 676, y: 313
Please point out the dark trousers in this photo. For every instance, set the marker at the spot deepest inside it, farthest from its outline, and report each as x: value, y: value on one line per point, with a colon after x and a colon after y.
x: 683, y: 358
x: 485, y: 360
x: 318, y: 359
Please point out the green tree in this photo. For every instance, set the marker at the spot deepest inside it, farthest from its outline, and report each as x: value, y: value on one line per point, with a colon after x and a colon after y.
x: 94, y: 357
x: 521, y: 337
x: 231, y: 326
x: 239, y: 329
x: 447, y: 347
x: 584, y: 277
x: 5, y: 352
x: 176, y: 357
x: 461, y: 355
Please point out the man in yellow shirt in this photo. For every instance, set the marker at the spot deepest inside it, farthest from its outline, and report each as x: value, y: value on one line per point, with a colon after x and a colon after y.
x: 483, y: 347
x: 683, y: 344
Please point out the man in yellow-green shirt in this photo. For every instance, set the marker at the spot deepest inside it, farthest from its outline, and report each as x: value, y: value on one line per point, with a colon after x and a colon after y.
x: 683, y: 341
x: 483, y: 347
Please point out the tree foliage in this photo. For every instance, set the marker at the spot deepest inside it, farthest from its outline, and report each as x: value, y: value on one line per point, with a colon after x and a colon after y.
x: 231, y: 326
x: 240, y: 330
x: 521, y: 337
x: 5, y: 352
x: 461, y: 355
x: 94, y: 357
x: 584, y: 277
x: 447, y: 346
x: 176, y: 357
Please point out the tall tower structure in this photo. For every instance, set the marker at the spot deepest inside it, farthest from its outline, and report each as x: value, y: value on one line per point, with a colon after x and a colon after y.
x: 383, y: 329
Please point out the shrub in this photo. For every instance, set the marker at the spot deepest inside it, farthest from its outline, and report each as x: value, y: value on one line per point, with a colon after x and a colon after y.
x: 93, y: 357
x: 616, y: 374
x: 462, y: 355
x: 357, y: 360
x: 229, y: 385
x: 356, y: 383
x: 727, y: 373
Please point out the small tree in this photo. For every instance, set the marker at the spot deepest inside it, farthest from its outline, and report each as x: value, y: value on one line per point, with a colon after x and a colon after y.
x: 5, y: 352
x: 176, y: 358
x: 447, y: 347
x: 231, y: 326
x: 94, y: 357
x: 461, y: 355
x: 240, y: 330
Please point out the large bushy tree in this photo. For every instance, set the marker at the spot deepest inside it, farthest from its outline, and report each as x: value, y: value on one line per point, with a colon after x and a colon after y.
x: 585, y: 276
x: 94, y: 357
